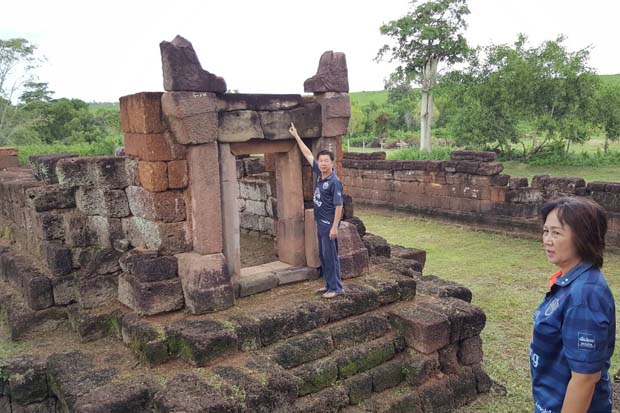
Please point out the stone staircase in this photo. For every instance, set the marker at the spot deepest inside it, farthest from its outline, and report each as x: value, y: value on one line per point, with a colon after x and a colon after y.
x: 379, y: 348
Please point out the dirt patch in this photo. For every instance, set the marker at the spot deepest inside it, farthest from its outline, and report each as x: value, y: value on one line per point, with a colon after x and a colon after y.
x: 257, y: 249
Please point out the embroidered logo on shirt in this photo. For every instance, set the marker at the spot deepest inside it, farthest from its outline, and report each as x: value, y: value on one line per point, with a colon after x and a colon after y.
x: 325, y: 185
x: 317, y: 197
x: 586, y: 341
x: 553, y: 305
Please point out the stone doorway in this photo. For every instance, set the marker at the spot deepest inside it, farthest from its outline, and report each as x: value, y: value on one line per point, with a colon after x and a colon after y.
x: 289, y: 226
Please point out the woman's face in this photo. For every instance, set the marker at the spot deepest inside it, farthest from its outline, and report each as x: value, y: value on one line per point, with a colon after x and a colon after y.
x: 558, y: 242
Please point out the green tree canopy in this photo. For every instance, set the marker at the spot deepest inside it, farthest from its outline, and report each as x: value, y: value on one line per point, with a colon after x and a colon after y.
x: 17, y: 61
x: 607, y: 112
x: 430, y: 33
x: 510, y: 93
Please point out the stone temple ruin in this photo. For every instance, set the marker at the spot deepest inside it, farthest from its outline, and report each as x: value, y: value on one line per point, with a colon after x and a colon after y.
x: 123, y: 278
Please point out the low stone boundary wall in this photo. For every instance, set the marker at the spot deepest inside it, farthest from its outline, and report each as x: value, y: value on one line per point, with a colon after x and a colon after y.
x: 471, y: 188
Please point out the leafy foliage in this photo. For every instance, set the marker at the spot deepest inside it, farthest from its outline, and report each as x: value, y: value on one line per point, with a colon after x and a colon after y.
x: 607, y: 111
x: 440, y: 153
x: 430, y: 34
x: 103, y: 147
x: 432, y: 30
x: 511, y: 93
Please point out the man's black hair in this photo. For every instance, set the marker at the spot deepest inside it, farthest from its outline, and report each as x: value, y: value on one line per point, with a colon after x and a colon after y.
x: 326, y: 152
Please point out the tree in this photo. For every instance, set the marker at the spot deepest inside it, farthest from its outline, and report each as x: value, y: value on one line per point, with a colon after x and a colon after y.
x: 510, y: 94
x: 17, y: 60
x: 36, y: 92
x: 430, y: 34
x: 404, y: 100
x: 67, y: 120
x: 358, y: 119
x: 607, y: 112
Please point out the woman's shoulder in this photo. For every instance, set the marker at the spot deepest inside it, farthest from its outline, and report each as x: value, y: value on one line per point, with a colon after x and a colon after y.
x: 592, y: 290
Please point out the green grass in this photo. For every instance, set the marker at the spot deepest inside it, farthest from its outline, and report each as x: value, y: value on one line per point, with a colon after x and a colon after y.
x: 508, y: 279
x: 594, y: 144
x: 364, y: 98
x: 607, y: 173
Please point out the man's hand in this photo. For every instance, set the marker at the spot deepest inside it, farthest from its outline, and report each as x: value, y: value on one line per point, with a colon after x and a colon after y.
x: 293, y: 131
x: 333, y: 233
x: 306, y: 152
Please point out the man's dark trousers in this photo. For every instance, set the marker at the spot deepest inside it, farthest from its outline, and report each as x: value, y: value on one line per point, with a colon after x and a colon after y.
x: 328, y: 253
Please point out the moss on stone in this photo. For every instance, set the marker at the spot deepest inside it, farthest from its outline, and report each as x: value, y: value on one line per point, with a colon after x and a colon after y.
x: 114, y: 326
x: 365, y: 360
x: 319, y: 378
x: 230, y: 325
x: 179, y: 347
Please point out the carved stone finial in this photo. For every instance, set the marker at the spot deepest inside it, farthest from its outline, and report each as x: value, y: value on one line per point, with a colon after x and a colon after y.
x: 331, y: 76
x: 182, y: 69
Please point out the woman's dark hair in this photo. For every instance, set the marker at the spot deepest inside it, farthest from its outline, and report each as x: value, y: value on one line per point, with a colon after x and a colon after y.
x: 587, y: 220
x: 326, y: 152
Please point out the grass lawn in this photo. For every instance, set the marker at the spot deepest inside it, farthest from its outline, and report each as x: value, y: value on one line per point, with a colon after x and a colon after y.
x: 605, y: 173
x: 507, y: 277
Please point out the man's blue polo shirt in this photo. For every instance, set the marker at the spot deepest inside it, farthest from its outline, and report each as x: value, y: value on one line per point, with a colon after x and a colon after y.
x: 327, y: 195
x: 574, y: 330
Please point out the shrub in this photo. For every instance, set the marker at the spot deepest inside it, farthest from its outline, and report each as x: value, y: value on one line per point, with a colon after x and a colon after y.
x: 102, y: 147
x: 437, y: 153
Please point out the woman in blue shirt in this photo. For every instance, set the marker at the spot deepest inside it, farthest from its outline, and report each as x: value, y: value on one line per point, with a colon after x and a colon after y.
x: 574, y: 326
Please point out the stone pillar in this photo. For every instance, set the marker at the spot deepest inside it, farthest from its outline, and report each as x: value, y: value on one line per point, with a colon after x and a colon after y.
x: 8, y: 158
x: 290, y: 225
x: 312, y: 242
x: 206, y: 208
x: 230, y: 212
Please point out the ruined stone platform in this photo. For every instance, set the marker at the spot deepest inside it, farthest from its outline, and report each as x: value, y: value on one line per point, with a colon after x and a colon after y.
x: 381, y: 347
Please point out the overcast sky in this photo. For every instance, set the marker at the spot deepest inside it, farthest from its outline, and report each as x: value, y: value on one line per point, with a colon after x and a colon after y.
x: 99, y: 51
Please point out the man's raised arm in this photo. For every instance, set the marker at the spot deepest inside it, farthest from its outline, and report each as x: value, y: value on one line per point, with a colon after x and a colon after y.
x: 302, y: 146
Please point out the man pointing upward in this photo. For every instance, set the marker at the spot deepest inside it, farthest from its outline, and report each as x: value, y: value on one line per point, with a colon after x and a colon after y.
x: 327, y: 206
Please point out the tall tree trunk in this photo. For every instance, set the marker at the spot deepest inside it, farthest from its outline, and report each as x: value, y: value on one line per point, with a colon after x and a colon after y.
x: 409, y: 120
x: 426, y: 112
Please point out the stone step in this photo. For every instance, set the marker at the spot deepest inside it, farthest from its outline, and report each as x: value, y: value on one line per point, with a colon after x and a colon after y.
x: 324, y: 341
x: 21, y: 320
x: 351, y: 366
x: 265, y: 277
x: 256, y: 322
x: 439, y: 394
x: 34, y: 286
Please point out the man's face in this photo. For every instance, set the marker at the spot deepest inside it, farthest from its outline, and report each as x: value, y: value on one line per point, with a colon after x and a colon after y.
x: 325, y: 163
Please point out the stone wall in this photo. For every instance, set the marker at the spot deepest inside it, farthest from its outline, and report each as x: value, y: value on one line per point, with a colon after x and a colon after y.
x: 469, y: 188
x: 257, y: 197
x: 8, y: 158
x: 68, y: 218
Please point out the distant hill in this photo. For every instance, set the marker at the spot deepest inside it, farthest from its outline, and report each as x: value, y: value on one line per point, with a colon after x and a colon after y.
x: 93, y: 105
x: 364, y: 98
x: 610, y: 78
